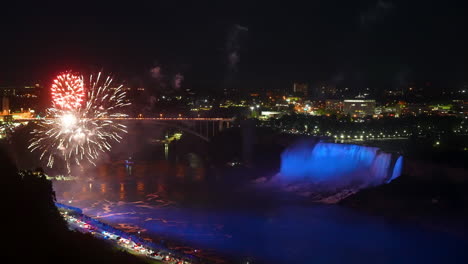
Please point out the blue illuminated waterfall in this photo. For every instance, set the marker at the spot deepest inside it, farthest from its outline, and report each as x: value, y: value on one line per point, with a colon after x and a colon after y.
x: 397, y: 169
x: 332, y: 168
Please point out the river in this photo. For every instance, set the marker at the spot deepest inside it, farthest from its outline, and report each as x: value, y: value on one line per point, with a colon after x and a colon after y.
x: 168, y: 201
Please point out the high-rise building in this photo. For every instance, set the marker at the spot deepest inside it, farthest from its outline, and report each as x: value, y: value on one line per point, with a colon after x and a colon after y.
x: 26, y: 91
x: 20, y: 96
x: 5, y: 106
x: 301, y: 89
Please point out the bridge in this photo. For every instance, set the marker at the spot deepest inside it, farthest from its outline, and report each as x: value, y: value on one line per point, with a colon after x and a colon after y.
x: 204, y: 128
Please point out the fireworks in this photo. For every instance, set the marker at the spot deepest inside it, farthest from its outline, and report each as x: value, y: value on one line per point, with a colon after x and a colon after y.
x: 81, y: 132
x: 68, y: 91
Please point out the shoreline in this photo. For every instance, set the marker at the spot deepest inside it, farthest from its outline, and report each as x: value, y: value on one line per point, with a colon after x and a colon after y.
x: 78, y: 212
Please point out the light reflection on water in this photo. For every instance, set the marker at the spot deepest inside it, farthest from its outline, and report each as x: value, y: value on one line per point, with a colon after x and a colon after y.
x: 122, y: 192
x: 152, y: 198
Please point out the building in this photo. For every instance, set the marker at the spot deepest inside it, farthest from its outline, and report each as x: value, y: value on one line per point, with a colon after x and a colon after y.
x: 359, y: 107
x: 327, y: 91
x: 334, y: 105
x: 270, y: 114
x: 394, y: 93
x: 26, y: 91
x: 460, y: 106
x: 301, y: 89
x: 393, y: 110
x: 20, y: 97
x: 5, y: 106
x: 416, y: 109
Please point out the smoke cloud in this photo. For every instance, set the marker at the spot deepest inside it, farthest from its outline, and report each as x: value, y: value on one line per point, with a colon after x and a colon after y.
x: 156, y: 72
x: 177, y: 81
x: 166, y: 82
x: 233, y: 46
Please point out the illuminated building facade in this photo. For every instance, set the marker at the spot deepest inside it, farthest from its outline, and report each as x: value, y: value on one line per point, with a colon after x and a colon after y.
x: 359, y: 107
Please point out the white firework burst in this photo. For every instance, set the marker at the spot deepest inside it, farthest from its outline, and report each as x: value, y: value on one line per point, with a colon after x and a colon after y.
x: 85, y: 132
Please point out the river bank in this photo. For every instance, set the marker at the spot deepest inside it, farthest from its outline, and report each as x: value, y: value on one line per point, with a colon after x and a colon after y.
x: 132, y: 243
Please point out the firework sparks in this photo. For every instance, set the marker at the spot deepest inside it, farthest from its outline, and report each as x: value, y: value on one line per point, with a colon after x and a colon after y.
x: 84, y: 132
x: 68, y: 91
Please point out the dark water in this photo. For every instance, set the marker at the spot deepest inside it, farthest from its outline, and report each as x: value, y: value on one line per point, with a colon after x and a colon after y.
x: 171, y: 202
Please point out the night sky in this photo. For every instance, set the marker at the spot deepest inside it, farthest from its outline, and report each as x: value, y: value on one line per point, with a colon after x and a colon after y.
x: 374, y: 43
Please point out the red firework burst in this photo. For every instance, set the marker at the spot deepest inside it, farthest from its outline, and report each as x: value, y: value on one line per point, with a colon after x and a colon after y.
x: 68, y: 91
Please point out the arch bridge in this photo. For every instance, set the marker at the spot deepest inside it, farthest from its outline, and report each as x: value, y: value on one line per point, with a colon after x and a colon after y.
x: 204, y: 128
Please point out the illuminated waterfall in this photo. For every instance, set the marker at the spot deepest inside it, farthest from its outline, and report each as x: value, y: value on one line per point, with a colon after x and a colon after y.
x: 397, y: 169
x: 331, y: 168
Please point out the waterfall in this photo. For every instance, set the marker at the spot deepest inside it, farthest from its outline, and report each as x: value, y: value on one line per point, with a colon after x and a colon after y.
x: 333, y: 168
x: 397, y: 169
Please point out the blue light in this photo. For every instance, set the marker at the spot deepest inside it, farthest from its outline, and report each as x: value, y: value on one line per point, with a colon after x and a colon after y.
x: 336, y: 164
x: 397, y: 169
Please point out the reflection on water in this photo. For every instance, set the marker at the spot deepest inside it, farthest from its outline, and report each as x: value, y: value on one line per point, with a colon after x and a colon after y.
x: 140, y: 188
x: 103, y: 187
x: 132, y: 182
x: 122, y: 191
x: 152, y: 198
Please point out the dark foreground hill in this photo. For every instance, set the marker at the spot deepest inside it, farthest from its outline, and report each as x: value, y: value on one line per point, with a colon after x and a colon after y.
x: 33, y: 230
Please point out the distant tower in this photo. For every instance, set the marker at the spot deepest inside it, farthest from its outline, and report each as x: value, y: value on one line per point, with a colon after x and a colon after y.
x: 5, y: 105
x: 301, y: 88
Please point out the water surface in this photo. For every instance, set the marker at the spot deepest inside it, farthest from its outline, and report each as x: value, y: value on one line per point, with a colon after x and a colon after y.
x: 161, y: 201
